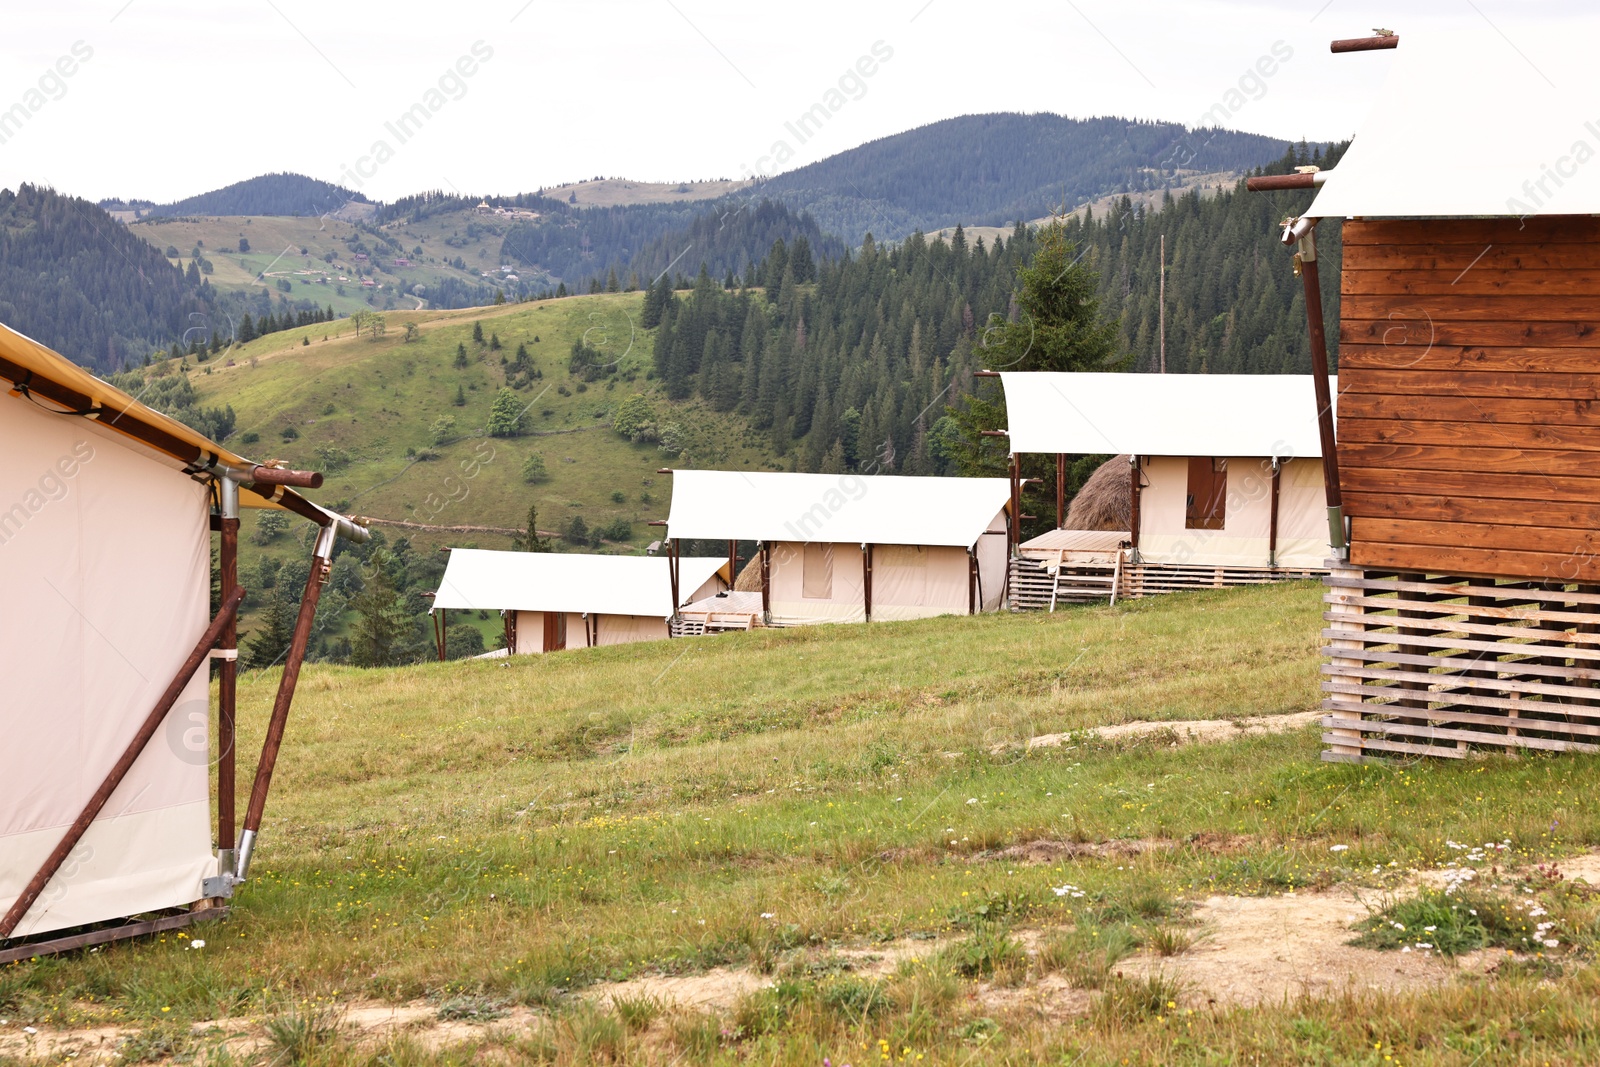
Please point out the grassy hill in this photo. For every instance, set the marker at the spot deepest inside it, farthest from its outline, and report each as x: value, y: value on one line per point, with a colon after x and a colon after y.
x: 781, y: 846
x: 363, y: 410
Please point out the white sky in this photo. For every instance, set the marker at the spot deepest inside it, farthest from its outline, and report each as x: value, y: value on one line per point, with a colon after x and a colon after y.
x: 180, y: 97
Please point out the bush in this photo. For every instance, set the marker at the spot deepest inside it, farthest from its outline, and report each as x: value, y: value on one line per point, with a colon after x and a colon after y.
x: 534, y: 470
x: 268, y: 527
x: 617, y: 530
x: 443, y: 429
x: 289, y: 433
x: 462, y: 640
x: 633, y: 415
x: 249, y: 437
x: 575, y: 531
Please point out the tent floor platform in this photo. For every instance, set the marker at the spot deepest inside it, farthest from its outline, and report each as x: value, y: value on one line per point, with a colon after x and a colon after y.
x: 728, y: 611
x: 1087, y: 566
x: 51, y: 945
x: 1450, y: 666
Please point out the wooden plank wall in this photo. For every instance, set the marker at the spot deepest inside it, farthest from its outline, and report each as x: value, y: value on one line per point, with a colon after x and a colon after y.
x: 1469, y: 407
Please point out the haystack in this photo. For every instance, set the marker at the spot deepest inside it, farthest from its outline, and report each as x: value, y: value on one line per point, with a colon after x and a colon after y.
x: 749, y: 580
x: 1104, y: 502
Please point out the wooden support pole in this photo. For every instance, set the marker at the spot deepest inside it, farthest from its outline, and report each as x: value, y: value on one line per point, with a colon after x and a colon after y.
x: 320, y: 559
x: 1061, y: 491
x: 1016, y: 502
x: 672, y: 564
x: 733, y: 562
x: 1306, y: 257
x: 228, y: 679
x: 766, y: 580
x: 119, y: 770
x: 441, y: 619
x: 1134, y: 490
x: 1272, y: 529
x: 866, y: 578
x: 972, y: 582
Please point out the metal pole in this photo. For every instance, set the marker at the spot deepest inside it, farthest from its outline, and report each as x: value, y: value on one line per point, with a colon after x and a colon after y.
x: 280, y: 706
x: 228, y: 680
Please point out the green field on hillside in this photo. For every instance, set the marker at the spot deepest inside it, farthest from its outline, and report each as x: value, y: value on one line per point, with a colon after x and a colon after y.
x: 789, y: 808
x: 363, y: 410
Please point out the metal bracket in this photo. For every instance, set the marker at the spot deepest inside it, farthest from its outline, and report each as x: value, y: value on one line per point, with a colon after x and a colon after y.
x: 220, y: 885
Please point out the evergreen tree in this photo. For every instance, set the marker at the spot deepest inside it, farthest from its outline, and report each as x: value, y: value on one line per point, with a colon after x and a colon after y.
x: 461, y: 396
x: 382, y: 634
x: 531, y: 541
x: 477, y: 332
x: 461, y: 360
x: 269, y: 642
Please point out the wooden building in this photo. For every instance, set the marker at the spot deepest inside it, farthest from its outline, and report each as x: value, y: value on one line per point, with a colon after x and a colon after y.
x: 1465, y: 609
x: 1223, y: 483
x: 108, y: 824
x: 553, y: 601
x: 855, y: 547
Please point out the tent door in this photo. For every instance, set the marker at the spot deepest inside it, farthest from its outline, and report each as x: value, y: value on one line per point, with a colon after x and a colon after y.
x: 555, y: 631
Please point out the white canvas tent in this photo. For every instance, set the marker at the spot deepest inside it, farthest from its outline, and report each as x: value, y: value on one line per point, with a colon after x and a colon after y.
x: 553, y: 601
x: 1470, y: 124
x: 1229, y: 465
x: 106, y: 509
x: 852, y: 547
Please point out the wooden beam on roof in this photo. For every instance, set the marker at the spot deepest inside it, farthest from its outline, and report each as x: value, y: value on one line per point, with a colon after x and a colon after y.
x: 1365, y: 44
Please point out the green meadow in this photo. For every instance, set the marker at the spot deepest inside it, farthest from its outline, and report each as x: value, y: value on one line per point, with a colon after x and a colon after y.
x: 503, y: 842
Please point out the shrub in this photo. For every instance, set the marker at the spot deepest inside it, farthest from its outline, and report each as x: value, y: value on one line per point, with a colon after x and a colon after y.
x: 633, y: 415
x: 443, y: 429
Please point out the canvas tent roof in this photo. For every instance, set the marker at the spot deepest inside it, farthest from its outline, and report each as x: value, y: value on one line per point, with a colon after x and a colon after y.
x: 1468, y: 123
x: 482, y: 580
x: 1163, y: 414
x: 56, y: 382
x: 838, y: 508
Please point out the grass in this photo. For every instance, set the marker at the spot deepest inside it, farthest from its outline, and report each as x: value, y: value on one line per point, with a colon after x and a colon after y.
x: 761, y: 800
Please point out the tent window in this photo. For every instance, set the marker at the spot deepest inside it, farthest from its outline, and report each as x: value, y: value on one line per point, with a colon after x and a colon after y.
x: 1206, y: 507
x: 817, y: 571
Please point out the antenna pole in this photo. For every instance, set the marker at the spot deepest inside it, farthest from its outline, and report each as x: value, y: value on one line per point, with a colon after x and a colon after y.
x: 1162, y: 301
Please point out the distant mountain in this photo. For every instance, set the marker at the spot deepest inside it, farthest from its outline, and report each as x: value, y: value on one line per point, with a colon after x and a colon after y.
x: 995, y: 169
x: 588, y: 244
x: 74, y: 278
x: 269, y: 194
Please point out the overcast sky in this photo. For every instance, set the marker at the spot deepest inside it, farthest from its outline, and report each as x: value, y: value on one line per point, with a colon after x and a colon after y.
x: 165, y: 98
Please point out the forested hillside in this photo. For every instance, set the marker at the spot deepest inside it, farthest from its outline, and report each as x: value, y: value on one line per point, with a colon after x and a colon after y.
x: 855, y: 369
x: 268, y: 194
x: 589, y: 245
x: 1234, y: 305
x: 996, y: 169
x: 73, y: 278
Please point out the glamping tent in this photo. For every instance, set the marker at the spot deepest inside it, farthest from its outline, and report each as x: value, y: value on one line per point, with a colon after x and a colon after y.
x: 1464, y: 603
x: 106, y: 513
x: 1222, y: 482
x: 854, y: 547
x: 555, y: 601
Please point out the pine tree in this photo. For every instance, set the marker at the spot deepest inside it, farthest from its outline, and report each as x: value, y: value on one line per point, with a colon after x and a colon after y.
x: 461, y: 396
x: 461, y: 360
x: 477, y: 332
x: 381, y: 634
x: 270, y: 640
x: 531, y: 541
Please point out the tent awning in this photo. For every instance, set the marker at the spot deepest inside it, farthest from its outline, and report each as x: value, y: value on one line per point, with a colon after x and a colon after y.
x: 1163, y: 414
x: 478, y: 579
x: 837, y: 508
x: 57, y: 384
x: 1471, y: 124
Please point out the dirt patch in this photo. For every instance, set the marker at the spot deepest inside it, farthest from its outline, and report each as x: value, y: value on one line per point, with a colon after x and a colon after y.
x: 1047, y: 851
x: 718, y: 988
x: 1251, y: 950
x: 96, y: 1045
x: 1186, y: 731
